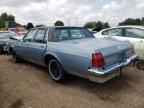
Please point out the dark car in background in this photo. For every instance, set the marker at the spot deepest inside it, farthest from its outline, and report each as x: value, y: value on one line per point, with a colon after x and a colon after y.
x: 10, y: 42
x: 21, y: 31
x: 5, y: 38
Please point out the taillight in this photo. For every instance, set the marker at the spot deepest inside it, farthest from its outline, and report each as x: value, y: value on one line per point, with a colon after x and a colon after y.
x: 97, y: 60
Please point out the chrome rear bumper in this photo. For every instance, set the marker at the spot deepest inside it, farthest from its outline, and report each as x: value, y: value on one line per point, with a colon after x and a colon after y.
x: 103, y: 75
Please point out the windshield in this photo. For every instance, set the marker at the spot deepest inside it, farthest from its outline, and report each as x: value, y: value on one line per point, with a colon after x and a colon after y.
x: 72, y: 33
x: 4, y: 35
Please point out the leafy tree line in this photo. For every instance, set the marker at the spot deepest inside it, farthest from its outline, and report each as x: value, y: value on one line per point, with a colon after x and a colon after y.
x: 5, y: 17
x: 91, y: 25
x: 131, y: 21
x: 96, y: 25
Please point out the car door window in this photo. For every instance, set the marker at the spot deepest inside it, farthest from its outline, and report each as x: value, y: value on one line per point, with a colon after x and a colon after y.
x: 114, y: 32
x: 62, y: 34
x: 40, y: 36
x: 105, y: 33
x: 76, y: 34
x: 134, y: 33
x: 29, y: 36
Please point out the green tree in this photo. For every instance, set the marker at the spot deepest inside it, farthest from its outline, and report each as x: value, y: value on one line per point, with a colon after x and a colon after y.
x: 130, y: 21
x: 106, y: 25
x: 30, y: 25
x: 90, y: 25
x: 137, y: 21
x: 99, y: 25
x: 59, y: 23
x: 4, y: 16
x: 40, y: 25
x: 142, y: 21
x: 10, y: 18
x: 2, y: 23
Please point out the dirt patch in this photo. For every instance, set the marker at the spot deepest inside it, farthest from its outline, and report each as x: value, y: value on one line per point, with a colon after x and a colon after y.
x: 26, y: 85
x: 17, y: 104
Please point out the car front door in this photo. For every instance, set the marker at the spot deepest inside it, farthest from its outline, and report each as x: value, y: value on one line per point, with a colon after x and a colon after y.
x: 136, y: 37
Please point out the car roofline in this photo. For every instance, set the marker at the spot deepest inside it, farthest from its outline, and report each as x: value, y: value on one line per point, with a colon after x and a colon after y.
x: 54, y: 27
x: 127, y: 26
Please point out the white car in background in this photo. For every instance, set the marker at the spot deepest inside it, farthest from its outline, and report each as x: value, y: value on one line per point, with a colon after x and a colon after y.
x: 134, y: 34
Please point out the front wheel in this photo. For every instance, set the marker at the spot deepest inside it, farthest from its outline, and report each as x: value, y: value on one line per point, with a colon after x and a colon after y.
x: 15, y: 57
x: 140, y: 64
x: 56, y: 71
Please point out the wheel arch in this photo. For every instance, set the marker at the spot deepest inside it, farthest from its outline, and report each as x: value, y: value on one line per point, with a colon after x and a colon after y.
x: 49, y: 56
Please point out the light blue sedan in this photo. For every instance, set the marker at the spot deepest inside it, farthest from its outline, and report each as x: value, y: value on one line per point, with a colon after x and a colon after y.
x: 74, y: 50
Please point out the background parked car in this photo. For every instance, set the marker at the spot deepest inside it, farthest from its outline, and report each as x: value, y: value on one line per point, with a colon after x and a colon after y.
x: 134, y: 34
x: 21, y: 31
x: 12, y: 40
x: 5, y: 38
x: 74, y: 50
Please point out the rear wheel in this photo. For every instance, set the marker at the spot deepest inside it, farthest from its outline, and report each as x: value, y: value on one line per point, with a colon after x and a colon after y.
x: 140, y: 64
x: 56, y: 71
x: 1, y: 50
x: 15, y: 57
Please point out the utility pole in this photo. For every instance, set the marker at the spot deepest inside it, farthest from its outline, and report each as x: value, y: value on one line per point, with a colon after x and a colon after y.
x: 76, y: 21
x: 69, y: 21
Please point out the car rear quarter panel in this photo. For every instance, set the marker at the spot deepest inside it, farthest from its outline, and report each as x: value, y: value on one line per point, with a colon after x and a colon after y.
x: 74, y: 60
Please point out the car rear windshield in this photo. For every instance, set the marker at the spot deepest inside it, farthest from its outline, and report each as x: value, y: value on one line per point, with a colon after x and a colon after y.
x: 72, y: 33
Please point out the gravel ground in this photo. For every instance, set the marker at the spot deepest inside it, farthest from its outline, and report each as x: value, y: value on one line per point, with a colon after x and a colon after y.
x: 26, y: 85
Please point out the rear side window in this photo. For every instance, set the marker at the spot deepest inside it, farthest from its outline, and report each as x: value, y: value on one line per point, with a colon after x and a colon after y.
x: 134, y: 33
x: 40, y: 36
x: 75, y: 34
x: 105, y: 33
x: 62, y: 34
x: 114, y: 32
x: 72, y: 33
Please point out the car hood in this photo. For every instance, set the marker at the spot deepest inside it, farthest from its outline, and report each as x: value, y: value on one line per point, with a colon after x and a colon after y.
x: 105, y: 46
x: 7, y: 40
x: 4, y: 40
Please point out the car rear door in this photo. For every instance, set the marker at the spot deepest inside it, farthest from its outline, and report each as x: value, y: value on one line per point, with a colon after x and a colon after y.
x: 136, y: 37
x: 38, y: 46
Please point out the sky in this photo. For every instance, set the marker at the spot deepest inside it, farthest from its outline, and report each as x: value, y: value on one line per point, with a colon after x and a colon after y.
x: 72, y: 12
